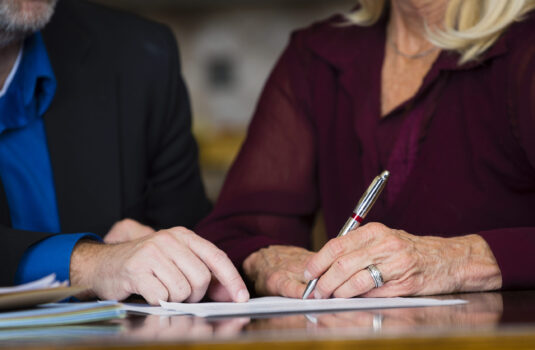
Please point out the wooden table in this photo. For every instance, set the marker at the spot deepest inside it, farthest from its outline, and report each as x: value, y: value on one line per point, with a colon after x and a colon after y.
x: 500, y: 320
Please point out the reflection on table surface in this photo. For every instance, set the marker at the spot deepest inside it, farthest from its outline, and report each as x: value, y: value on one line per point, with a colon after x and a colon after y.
x: 485, y: 313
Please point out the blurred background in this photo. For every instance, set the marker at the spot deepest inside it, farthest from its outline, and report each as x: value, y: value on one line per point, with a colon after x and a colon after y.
x: 228, y: 49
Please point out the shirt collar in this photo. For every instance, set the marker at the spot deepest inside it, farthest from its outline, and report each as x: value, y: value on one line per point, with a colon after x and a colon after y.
x: 37, y: 77
x: 343, y: 46
x: 11, y: 74
x: 32, y: 89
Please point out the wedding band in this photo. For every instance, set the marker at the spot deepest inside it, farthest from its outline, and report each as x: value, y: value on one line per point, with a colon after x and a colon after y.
x: 376, y: 275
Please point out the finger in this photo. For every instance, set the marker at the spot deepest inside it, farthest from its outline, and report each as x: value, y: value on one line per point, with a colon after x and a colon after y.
x: 150, y: 288
x: 221, y: 266
x: 172, y: 278
x: 357, y: 239
x: 289, y: 287
x: 362, y: 283
x: 217, y: 292
x: 358, y: 284
x: 334, y: 249
x: 341, y: 271
x: 193, y: 269
x: 389, y: 290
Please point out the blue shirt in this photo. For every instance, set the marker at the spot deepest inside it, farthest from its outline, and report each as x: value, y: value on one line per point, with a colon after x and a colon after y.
x: 25, y: 168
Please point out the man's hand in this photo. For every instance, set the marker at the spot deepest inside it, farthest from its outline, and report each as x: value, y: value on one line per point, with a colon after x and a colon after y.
x: 173, y: 265
x: 410, y: 265
x: 278, y: 270
x: 127, y: 230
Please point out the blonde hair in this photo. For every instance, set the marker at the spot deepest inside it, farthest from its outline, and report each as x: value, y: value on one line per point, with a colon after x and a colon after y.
x: 470, y: 26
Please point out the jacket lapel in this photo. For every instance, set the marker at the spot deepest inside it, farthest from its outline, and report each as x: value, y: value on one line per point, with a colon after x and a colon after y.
x: 82, y: 127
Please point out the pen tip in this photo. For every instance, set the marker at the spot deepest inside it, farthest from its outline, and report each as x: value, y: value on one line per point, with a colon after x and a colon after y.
x: 385, y: 174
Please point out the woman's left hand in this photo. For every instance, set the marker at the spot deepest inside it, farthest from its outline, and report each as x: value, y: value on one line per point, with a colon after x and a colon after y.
x: 409, y: 265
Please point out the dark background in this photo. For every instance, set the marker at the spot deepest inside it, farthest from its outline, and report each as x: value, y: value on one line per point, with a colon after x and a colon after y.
x: 228, y: 49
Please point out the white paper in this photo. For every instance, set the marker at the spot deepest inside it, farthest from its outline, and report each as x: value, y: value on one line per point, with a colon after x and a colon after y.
x: 43, y: 283
x: 268, y: 305
x: 150, y: 310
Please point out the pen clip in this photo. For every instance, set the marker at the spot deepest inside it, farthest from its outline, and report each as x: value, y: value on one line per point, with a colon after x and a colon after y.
x: 372, y: 193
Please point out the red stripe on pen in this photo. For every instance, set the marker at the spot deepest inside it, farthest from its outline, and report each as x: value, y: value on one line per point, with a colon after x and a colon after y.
x: 356, y: 217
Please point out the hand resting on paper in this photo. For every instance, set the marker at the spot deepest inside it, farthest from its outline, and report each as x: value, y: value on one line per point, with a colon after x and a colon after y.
x: 278, y: 270
x: 410, y: 265
x: 171, y: 265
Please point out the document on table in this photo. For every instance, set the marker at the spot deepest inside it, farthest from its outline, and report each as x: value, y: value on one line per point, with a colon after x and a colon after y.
x: 149, y: 310
x: 61, y: 314
x: 44, y: 290
x: 43, y: 283
x: 270, y: 305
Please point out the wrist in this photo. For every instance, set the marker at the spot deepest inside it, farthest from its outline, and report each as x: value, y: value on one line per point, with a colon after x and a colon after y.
x: 84, y: 261
x: 478, y: 270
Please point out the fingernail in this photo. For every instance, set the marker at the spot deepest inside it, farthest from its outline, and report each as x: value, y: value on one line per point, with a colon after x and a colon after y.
x: 317, y: 295
x: 307, y: 275
x: 243, y: 296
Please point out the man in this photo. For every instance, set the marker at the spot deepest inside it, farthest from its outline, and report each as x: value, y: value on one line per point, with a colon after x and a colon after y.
x: 95, y: 128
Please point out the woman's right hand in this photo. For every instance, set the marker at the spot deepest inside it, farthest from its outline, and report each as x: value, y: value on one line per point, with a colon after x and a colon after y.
x: 278, y: 270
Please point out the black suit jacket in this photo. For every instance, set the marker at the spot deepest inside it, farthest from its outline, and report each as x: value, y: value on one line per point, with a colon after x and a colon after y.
x: 118, y: 129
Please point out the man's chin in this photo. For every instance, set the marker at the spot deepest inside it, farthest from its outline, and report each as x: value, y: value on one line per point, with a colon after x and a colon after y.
x: 20, y: 18
x: 35, y: 8
x: 26, y: 16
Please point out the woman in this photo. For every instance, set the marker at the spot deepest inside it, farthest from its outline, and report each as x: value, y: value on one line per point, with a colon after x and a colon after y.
x: 442, y: 94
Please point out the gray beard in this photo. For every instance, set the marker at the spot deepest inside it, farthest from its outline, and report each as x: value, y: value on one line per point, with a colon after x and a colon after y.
x: 16, y: 24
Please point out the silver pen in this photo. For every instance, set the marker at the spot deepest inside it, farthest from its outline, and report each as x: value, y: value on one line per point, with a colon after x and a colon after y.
x: 361, y: 210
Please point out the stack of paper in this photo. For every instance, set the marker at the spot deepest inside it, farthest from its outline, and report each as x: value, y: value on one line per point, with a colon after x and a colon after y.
x: 43, y: 283
x: 41, y: 295
x: 45, y: 290
x: 61, y: 314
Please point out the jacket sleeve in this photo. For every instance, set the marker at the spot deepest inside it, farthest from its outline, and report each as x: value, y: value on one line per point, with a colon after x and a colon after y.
x: 14, y: 244
x: 51, y: 255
